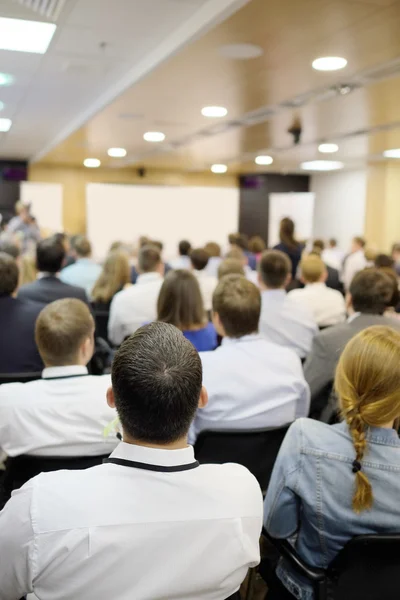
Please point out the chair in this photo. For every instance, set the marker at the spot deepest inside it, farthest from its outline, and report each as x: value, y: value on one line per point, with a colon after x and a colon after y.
x: 365, y: 569
x: 19, y: 377
x: 255, y: 449
x: 101, y: 318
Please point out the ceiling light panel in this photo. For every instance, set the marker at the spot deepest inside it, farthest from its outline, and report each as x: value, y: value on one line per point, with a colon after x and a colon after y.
x: 329, y: 63
x: 25, y: 36
x: 322, y: 165
x: 5, y: 79
x: 214, y: 111
x: 117, y: 152
x: 264, y: 160
x: 92, y: 163
x: 219, y: 168
x: 50, y: 9
x: 393, y: 153
x: 328, y: 148
x: 5, y: 124
x: 154, y: 136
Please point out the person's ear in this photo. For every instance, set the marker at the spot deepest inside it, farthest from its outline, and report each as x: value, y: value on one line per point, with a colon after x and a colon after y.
x: 349, y: 302
x: 217, y: 324
x: 203, y: 400
x: 288, y: 279
x: 87, y: 349
x: 110, y: 398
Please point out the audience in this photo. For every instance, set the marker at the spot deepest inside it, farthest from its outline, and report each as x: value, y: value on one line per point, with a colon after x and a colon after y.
x: 183, y: 262
x: 199, y: 260
x: 137, y: 305
x: 239, y: 240
x: 332, y: 255
x: 333, y: 275
x: 18, y: 352
x: 330, y: 484
x: 180, y: 303
x: 289, y: 245
x: 214, y: 252
x: 369, y: 296
x: 148, y: 505
x: 64, y: 413
x: 84, y: 272
x: 237, y: 254
x: 115, y: 276
x: 327, y: 305
x: 354, y: 262
x: 282, y: 321
x: 230, y: 266
x: 257, y: 246
x: 251, y: 382
x: 48, y: 287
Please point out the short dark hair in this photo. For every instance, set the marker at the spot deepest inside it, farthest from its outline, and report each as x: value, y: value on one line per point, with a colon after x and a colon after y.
x: 383, y: 261
x: 180, y: 301
x: 256, y: 244
x: 156, y: 378
x: 320, y: 244
x: 9, y: 274
x: 238, y: 304
x: 199, y: 258
x: 274, y: 268
x: 8, y: 247
x: 82, y: 246
x: 333, y: 243
x: 149, y: 258
x: 184, y: 248
x: 242, y: 241
x: 50, y: 255
x: 371, y: 291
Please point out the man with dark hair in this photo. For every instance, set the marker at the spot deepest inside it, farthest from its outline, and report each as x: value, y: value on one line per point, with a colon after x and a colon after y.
x: 282, y: 321
x: 137, y: 305
x: 18, y: 352
x: 199, y: 258
x: 183, y: 261
x: 151, y: 500
x: 252, y: 383
x: 369, y: 296
x: 50, y: 255
x: 84, y: 272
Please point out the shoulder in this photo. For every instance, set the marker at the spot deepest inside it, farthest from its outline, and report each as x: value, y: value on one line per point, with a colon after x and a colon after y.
x: 294, y: 294
x: 235, y: 482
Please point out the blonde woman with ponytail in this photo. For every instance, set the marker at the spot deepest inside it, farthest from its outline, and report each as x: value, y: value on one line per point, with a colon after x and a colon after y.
x: 332, y: 483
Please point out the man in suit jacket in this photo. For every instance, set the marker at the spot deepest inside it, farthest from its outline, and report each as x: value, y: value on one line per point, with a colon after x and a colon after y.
x: 370, y: 293
x: 18, y: 352
x: 50, y: 255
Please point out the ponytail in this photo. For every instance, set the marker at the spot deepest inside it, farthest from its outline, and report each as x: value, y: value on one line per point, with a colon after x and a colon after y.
x: 363, y: 497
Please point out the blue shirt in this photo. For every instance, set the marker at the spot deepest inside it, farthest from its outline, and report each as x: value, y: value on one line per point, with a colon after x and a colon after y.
x: 84, y: 273
x: 311, y: 491
x: 204, y: 339
x: 286, y: 323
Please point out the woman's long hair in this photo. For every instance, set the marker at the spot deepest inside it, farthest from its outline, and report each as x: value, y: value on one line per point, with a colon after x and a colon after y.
x: 286, y: 233
x: 180, y: 302
x: 115, y: 275
x: 368, y: 385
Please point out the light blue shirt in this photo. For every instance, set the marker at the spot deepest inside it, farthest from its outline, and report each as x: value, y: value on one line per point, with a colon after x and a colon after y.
x: 311, y: 491
x: 286, y: 323
x: 84, y: 273
x: 182, y: 262
x: 251, y: 384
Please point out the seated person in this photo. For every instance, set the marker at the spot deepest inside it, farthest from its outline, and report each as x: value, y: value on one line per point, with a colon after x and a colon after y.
x: 140, y: 525
x: 252, y: 383
x: 355, y: 262
x: 183, y: 261
x: 370, y: 294
x: 230, y: 266
x: 237, y: 254
x: 214, y: 252
x: 84, y: 272
x: 64, y: 413
x: 321, y: 488
x: 282, y: 321
x: 327, y: 305
x: 18, y: 352
x: 333, y: 275
x: 199, y: 259
x: 181, y: 304
x: 50, y: 256
x: 114, y: 277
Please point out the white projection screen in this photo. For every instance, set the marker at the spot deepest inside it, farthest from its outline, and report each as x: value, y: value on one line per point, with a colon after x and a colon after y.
x: 299, y: 207
x: 167, y: 213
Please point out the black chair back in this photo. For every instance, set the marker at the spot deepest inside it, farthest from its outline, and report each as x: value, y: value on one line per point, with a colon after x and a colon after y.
x: 19, y: 377
x: 255, y: 449
x: 101, y: 318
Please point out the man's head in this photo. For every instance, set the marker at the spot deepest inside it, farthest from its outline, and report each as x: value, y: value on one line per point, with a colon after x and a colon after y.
x: 370, y: 292
x: 149, y: 260
x: 184, y: 248
x: 383, y: 261
x: 199, y: 259
x: 213, y: 249
x: 50, y: 255
x: 358, y: 243
x: 230, y: 266
x: 332, y: 243
x: 9, y: 275
x: 82, y: 247
x: 22, y: 211
x: 313, y: 269
x: 156, y: 385
x: 274, y: 270
x: 319, y: 245
x: 236, y: 307
x: 64, y: 333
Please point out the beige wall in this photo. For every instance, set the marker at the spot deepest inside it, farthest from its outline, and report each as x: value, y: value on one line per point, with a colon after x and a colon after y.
x: 382, y: 226
x: 74, y: 180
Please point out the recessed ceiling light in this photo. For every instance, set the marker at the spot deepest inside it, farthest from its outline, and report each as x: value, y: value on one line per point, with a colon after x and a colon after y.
x: 241, y: 51
x: 264, y: 160
x: 5, y: 124
x: 394, y: 153
x: 329, y: 63
x: 92, y: 163
x: 154, y: 136
x: 322, y: 165
x: 214, y: 111
x: 5, y: 79
x: 219, y: 168
x: 328, y: 148
x: 117, y: 152
x: 25, y: 36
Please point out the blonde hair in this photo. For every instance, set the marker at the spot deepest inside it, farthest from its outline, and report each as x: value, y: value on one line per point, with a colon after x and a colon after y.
x: 368, y: 385
x: 28, y: 271
x: 312, y: 268
x: 115, y: 275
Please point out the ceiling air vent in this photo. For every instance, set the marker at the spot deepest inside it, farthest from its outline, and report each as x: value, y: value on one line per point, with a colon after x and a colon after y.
x: 51, y: 9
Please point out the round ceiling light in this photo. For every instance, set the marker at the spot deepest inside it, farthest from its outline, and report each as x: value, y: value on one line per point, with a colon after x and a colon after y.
x: 241, y: 51
x: 117, y: 152
x: 154, y: 136
x: 393, y: 153
x: 264, y: 160
x: 219, y: 168
x: 322, y: 165
x: 328, y: 148
x: 6, y: 79
x: 329, y: 63
x: 91, y: 163
x: 214, y: 111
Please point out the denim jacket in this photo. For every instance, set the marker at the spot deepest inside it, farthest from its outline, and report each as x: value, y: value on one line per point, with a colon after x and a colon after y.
x: 311, y: 490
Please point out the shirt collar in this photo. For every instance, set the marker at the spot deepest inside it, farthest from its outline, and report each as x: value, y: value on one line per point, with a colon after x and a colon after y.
x: 253, y: 337
x: 316, y: 284
x: 52, y: 372
x: 147, y: 277
x: 154, y: 456
x: 353, y: 317
x: 277, y: 294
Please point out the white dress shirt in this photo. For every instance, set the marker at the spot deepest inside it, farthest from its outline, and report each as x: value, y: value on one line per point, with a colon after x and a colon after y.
x: 327, y: 305
x: 352, y: 265
x: 286, y: 323
x: 133, y: 307
x: 113, y: 531
x: 207, y: 287
x: 251, y: 383
x: 62, y: 414
x: 182, y: 262
x: 213, y: 265
x: 333, y: 257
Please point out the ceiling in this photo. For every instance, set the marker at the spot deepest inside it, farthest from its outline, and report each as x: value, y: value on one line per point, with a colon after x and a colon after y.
x: 263, y: 95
